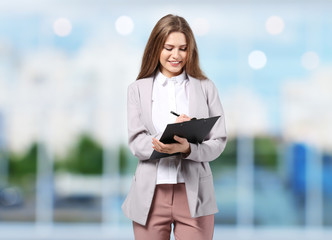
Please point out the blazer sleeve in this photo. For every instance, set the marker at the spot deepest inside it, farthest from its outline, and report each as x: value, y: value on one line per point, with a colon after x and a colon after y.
x: 215, y: 143
x: 139, y: 138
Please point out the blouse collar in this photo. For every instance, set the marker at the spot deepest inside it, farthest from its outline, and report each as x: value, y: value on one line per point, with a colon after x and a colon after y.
x: 162, y: 79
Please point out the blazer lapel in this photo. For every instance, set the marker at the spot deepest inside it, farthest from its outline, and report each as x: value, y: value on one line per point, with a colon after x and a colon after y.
x: 194, y: 87
x: 197, y: 100
x: 146, y: 101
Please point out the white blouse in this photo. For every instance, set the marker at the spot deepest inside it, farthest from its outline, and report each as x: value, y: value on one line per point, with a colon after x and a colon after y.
x: 169, y: 94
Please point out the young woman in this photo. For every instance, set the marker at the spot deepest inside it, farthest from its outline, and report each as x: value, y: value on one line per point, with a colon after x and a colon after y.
x: 176, y: 190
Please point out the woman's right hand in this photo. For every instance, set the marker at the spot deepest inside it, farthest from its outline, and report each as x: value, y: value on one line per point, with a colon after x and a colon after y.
x: 182, y: 118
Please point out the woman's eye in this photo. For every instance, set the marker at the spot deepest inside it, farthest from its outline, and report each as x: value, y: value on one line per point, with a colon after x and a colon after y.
x: 168, y: 49
x: 183, y: 49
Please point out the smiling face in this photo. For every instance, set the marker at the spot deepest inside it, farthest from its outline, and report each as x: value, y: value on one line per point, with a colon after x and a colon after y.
x: 173, y: 56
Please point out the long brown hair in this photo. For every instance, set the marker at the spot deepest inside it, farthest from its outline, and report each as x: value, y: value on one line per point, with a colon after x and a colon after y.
x: 164, y: 27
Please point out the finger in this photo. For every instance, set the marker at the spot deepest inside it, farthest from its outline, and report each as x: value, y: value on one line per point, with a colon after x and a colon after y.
x: 182, y: 118
x: 156, y: 145
x: 179, y: 119
x: 157, y: 148
x: 155, y: 141
x: 179, y: 139
x: 160, y: 147
x: 185, y: 118
x: 159, y: 144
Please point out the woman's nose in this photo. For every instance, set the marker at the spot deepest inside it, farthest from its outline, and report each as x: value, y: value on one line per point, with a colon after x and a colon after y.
x: 175, y: 53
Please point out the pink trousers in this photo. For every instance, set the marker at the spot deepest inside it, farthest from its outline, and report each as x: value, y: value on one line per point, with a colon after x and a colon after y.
x: 170, y: 206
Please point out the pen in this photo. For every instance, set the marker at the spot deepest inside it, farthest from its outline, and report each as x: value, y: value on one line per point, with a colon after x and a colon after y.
x: 174, y: 113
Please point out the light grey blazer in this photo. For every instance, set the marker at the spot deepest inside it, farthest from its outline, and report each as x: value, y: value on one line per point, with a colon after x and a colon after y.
x: 203, y: 102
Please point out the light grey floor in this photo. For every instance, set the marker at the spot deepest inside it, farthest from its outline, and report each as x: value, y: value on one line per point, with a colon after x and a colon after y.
x: 24, y: 231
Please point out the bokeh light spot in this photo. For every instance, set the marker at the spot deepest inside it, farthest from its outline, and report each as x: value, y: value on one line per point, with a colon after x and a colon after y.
x: 124, y: 25
x: 257, y: 59
x: 274, y: 25
x: 310, y: 60
x: 62, y: 27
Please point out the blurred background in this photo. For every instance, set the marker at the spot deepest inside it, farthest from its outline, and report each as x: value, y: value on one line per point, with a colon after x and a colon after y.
x: 65, y: 166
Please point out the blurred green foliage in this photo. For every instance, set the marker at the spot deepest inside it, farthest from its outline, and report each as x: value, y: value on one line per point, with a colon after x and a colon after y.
x: 227, y: 158
x: 24, y: 164
x: 85, y: 157
x: 127, y: 160
x: 22, y: 168
x: 266, y: 151
x: 123, y: 156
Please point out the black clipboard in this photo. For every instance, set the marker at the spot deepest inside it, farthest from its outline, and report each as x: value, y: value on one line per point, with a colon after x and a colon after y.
x: 195, y: 131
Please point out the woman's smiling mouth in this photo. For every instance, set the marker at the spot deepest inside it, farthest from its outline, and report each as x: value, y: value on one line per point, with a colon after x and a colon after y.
x: 175, y: 63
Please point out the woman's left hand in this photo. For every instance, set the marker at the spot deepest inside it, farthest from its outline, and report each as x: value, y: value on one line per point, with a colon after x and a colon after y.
x: 181, y: 146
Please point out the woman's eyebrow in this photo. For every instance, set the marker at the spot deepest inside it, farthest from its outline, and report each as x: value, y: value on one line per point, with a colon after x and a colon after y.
x: 170, y: 45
